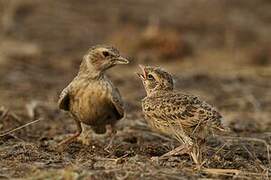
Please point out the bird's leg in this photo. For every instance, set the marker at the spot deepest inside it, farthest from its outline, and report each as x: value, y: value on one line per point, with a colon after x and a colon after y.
x: 202, y: 150
x: 74, y: 136
x: 111, y: 133
x: 180, y: 150
x: 185, y: 148
x: 197, y: 153
x: 85, y: 136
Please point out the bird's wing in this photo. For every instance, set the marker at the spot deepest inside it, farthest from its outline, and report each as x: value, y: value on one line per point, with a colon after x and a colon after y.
x: 64, y: 99
x: 117, y: 102
x: 115, y: 98
x: 187, y: 110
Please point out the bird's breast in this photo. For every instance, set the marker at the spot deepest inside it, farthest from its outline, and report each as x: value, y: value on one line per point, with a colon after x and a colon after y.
x: 91, y: 103
x: 159, y: 121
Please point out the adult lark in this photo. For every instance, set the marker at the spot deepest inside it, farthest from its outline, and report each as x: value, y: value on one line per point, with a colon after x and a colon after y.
x: 91, y: 98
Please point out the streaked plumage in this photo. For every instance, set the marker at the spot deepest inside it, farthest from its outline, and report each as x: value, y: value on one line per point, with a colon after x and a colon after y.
x: 179, y: 115
x: 186, y: 114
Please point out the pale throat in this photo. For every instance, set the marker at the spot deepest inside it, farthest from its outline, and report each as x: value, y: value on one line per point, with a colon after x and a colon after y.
x: 87, y: 69
x: 158, y: 89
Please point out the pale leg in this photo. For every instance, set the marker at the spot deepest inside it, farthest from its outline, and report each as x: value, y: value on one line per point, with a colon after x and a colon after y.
x: 111, y: 133
x: 185, y: 148
x: 85, y: 136
x: 180, y: 150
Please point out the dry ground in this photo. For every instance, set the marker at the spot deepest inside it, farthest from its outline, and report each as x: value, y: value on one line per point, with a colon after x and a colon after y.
x: 219, y: 51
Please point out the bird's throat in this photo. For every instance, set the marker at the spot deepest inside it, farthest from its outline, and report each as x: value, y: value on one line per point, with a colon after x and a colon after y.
x: 88, y: 70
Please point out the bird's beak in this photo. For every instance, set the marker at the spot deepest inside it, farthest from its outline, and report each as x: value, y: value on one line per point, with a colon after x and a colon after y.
x: 143, y: 76
x: 121, y: 60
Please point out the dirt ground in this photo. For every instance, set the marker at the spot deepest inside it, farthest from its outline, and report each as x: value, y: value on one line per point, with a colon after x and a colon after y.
x: 218, y: 50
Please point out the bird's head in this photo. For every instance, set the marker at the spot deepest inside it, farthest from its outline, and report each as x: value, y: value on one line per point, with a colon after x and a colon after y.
x: 155, y: 79
x: 100, y: 58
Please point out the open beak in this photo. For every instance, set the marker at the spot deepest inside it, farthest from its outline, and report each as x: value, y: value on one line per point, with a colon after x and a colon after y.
x: 143, y: 76
x: 121, y: 60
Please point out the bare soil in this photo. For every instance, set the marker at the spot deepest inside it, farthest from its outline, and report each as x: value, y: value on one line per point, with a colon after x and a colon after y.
x: 217, y: 50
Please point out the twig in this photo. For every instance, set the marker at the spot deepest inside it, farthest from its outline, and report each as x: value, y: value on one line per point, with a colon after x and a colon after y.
x: 20, y: 127
x: 230, y: 172
x: 222, y: 171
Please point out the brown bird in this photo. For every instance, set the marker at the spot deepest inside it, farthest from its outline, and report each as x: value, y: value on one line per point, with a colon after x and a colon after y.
x: 176, y: 114
x: 91, y: 98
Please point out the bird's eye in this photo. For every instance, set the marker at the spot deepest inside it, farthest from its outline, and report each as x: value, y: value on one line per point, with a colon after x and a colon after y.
x: 105, y: 53
x: 150, y: 77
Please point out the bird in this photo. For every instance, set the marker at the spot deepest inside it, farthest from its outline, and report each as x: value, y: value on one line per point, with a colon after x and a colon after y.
x: 177, y: 114
x: 91, y: 98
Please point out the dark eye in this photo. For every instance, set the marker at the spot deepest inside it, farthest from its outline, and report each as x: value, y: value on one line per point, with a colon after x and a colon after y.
x: 150, y: 77
x: 105, y: 53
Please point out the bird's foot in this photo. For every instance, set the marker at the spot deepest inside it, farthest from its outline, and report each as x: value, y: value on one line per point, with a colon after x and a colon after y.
x: 108, y: 147
x: 85, y: 138
x: 197, y: 154
x: 111, y: 133
x: 110, y: 144
x: 183, y: 149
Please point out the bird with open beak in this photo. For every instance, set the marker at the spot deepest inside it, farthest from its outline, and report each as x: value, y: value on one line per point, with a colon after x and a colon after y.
x: 182, y: 116
x: 91, y: 98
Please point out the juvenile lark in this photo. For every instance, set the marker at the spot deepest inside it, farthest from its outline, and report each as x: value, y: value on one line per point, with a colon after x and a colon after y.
x: 182, y: 116
x: 91, y: 98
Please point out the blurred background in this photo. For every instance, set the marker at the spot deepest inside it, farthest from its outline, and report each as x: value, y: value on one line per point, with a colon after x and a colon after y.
x: 219, y: 50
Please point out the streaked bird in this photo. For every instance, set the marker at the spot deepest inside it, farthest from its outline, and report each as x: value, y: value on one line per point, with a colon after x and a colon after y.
x: 174, y: 113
